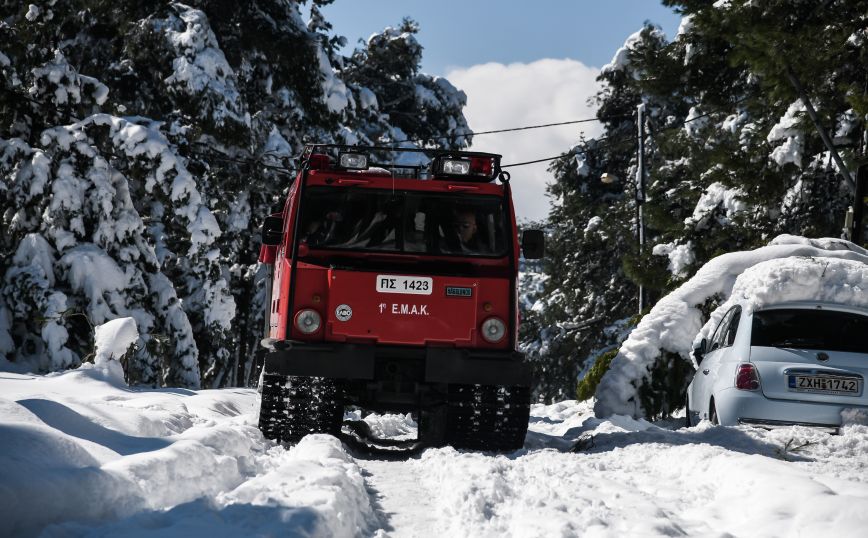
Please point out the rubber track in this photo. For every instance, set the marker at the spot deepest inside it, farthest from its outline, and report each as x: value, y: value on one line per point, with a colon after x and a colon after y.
x: 293, y: 407
x: 487, y: 417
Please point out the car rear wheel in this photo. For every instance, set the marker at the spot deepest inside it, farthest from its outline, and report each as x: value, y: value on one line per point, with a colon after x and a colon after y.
x: 687, y: 423
x: 712, y: 413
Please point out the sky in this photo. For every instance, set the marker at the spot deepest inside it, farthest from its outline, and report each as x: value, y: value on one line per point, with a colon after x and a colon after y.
x: 520, y: 63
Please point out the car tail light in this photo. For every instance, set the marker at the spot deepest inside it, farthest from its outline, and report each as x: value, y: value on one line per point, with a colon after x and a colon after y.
x: 746, y: 377
x: 308, y: 321
x: 493, y: 330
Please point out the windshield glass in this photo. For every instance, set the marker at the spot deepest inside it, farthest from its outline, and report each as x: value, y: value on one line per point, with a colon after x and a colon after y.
x: 410, y: 222
x: 810, y: 329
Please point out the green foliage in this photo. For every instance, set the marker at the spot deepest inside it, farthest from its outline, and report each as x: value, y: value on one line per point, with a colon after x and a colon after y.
x: 588, y: 385
x: 665, y: 388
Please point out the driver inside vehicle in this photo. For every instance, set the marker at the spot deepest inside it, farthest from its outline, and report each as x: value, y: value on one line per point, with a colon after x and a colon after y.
x: 465, y: 226
x: 321, y: 230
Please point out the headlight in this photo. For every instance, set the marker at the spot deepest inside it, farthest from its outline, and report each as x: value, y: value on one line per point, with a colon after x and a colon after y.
x: 354, y: 161
x: 493, y: 330
x: 308, y: 321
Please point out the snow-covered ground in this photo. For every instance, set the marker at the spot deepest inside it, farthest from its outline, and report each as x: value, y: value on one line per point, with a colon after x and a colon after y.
x: 83, y: 455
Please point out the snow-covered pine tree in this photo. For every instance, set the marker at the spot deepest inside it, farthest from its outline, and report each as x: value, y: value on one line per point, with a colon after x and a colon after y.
x: 398, y: 102
x: 190, y: 112
x: 82, y: 255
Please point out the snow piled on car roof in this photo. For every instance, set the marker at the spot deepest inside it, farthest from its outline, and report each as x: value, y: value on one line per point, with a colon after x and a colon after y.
x: 828, y: 280
x: 789, y: 268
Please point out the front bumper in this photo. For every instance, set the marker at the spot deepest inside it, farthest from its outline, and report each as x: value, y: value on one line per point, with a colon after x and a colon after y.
x: 374, y: 362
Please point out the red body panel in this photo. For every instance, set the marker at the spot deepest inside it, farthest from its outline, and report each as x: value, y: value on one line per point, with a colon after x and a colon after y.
x: 397, y: 318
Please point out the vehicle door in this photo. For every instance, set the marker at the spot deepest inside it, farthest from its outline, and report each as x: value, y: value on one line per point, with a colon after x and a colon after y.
x: 707, y: 376
x: 279, y: 304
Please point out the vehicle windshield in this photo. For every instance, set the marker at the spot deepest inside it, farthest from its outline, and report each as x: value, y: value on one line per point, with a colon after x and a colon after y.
x: 403, y: 222
x: 810, y: 329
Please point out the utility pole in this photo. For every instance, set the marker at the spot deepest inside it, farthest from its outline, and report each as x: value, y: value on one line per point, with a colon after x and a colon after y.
x: 640, y: 193
x: 824, y: 136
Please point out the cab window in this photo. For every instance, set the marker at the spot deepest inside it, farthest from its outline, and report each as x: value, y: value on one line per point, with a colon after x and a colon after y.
x: 410, y: 221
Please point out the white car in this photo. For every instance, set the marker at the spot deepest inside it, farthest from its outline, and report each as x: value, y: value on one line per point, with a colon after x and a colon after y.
x: 800, y: 363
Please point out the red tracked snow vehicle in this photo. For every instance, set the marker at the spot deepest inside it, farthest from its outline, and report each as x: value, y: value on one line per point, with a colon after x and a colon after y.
x: 394, y: 289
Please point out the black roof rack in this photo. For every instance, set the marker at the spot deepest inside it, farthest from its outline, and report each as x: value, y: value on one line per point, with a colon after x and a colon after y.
x: 381, y: 152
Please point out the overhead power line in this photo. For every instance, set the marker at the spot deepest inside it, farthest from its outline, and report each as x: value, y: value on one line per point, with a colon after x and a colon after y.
x: 608, y: 139
x: 448, y: 137
x: 512, y: 129
x: 624, y: 139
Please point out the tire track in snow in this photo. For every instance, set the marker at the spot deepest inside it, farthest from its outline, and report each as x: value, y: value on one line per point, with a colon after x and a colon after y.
x: 407, y: 507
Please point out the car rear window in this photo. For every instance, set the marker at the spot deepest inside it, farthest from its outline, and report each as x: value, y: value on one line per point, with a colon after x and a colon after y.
x: 810, y: 329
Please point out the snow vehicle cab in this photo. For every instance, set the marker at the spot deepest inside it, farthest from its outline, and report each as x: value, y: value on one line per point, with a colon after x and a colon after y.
x: 393, y: 288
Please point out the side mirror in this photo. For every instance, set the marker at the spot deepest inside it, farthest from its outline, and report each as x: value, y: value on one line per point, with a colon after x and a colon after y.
x: 272, y: 230
x: 533, y: 244
x: 699, y: 351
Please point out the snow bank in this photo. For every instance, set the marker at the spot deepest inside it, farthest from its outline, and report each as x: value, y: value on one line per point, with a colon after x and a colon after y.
x: 629, y: 477
x: 81, y: 456
x: 675, y: 321
x: 391, y: 426
x: 317, y: 474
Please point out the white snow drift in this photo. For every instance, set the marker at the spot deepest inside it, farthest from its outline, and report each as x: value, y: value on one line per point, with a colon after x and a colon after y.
x: 85, y: 456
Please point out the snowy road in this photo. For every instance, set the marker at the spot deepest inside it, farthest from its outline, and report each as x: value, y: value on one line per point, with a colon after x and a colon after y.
x: 402, y: 498
x: 80, y: 456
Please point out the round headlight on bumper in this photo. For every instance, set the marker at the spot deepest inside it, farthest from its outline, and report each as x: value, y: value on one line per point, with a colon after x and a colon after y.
x: 308, y: 321
x: 493, y: 330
